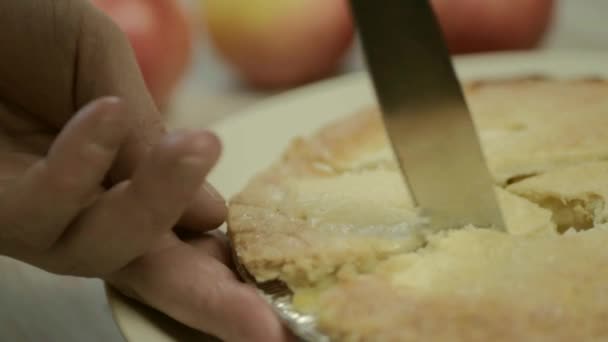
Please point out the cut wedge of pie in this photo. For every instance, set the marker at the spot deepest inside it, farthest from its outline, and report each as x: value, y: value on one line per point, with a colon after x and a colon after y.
x: 333, y: 221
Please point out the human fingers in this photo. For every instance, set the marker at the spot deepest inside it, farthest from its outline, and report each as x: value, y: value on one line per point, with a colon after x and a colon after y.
x: 190, y: 283
x: 76, y: 54
x: 38, y: 206
x: 108, y: 66
x: 207, y: 211
x: 124, y: 222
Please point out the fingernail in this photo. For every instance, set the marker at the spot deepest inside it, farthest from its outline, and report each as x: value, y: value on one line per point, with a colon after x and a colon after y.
x: 112, y: 99
x: 107, y: 100
x: 213, y: 193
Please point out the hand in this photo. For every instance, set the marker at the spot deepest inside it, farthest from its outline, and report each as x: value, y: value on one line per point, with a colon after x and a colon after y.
x: 92, y: 185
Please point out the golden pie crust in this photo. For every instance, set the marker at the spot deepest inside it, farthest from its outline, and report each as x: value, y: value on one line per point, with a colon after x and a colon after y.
x: 333, y: 220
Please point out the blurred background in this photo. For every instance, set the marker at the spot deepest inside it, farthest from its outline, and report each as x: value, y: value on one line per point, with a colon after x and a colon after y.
x: 212, y: 58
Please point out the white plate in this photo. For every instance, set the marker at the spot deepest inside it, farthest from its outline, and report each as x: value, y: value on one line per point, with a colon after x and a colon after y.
x: 256, y: 137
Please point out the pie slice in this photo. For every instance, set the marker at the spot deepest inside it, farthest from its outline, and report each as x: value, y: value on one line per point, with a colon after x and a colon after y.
x: 333, y: 220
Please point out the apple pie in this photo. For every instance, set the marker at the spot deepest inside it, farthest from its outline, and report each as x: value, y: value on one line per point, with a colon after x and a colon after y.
x: 333, y: 220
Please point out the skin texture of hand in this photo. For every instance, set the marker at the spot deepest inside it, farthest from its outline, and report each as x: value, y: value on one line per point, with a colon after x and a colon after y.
x: 92, y: 185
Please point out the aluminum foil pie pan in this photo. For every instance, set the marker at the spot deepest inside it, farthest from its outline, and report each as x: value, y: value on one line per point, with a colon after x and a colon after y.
x: 275, y: 292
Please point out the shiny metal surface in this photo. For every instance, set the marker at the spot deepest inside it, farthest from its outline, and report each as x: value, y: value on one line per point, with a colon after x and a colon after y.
x: 302, y: 325
x: 425, y: 113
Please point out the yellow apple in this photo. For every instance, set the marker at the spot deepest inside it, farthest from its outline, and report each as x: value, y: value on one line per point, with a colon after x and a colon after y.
x: 280, y: 43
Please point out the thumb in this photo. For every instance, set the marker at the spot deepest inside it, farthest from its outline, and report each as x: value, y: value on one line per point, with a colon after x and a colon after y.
x: 190, y: 283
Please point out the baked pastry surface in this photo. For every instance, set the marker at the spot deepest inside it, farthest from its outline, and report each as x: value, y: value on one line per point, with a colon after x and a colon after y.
x: 333, y: 220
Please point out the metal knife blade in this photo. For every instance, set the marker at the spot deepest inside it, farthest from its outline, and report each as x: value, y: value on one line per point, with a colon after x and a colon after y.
x: 425, y: 113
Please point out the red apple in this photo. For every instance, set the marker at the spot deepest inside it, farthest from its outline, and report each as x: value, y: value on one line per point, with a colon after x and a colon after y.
x: 280, y: 43
x: 482, y: 25
x: 161, y: 36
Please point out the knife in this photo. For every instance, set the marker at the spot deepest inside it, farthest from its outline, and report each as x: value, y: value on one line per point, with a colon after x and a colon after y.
x: 425, y: 113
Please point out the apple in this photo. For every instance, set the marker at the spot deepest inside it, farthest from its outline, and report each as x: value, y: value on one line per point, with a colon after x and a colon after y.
x: 481, y: 25
x: 279, y: 43
x: 161, y: 36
